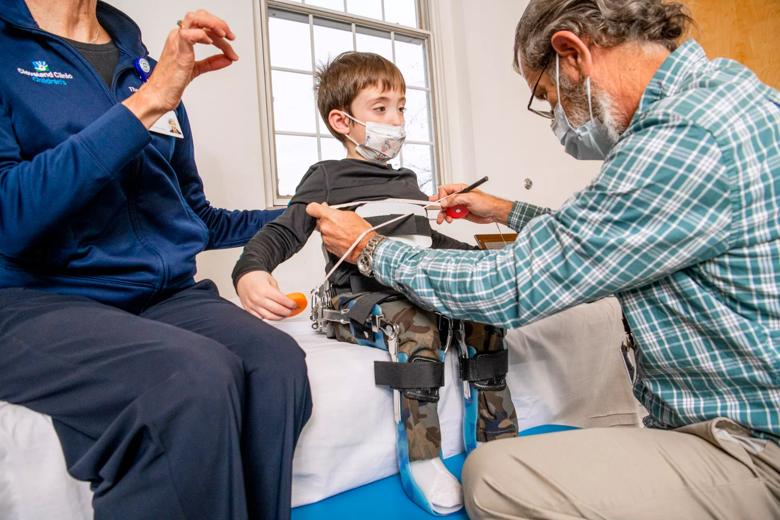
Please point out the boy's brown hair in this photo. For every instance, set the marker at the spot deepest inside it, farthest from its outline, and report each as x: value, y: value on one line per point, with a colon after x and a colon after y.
x: 340, y: 81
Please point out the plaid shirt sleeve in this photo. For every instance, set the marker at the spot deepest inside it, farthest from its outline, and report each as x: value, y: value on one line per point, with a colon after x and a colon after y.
x: 522, y: 213
x: 660, y: 204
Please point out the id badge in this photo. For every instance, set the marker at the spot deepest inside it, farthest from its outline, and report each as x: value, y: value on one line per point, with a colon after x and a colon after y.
x: 168, y: 124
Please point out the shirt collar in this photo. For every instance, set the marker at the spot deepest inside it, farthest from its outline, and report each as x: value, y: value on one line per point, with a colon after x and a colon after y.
x: 672, y: 75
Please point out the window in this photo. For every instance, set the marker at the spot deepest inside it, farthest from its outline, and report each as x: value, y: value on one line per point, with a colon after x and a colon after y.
x: 302, y: 35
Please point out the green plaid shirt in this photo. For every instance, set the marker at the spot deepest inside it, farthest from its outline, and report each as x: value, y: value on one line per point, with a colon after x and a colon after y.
x: 682, y: 225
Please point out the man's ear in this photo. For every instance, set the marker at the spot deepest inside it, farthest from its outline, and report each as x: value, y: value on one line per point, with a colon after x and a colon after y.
x: 339, y: 122
x: 576, y: 58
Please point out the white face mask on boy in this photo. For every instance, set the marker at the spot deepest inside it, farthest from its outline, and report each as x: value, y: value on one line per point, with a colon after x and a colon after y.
x: 383, y: 142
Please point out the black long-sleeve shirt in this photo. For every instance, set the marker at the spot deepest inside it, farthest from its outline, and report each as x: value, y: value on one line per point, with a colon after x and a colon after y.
x: 334, y: 182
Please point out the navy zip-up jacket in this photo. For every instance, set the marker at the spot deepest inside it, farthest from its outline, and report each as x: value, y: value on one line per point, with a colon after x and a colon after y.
x: 91, y: 203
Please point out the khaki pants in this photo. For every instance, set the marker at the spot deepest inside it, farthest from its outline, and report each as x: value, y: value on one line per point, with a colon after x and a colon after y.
x: 705, y: 470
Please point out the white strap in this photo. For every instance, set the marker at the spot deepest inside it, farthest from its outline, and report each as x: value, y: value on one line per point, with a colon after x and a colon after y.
x: 424, y: 203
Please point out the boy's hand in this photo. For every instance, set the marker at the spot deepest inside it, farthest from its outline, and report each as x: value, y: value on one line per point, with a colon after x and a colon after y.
x: 260, y: 296
x: 483, y: 208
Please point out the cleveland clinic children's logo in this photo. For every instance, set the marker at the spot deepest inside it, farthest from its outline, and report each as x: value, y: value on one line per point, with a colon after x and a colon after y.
x: 42, y: 74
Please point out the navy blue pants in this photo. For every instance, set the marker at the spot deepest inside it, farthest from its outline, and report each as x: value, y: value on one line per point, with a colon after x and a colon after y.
x: 189, y: 410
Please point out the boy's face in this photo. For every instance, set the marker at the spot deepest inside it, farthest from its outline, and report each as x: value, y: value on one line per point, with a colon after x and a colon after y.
x: 371, y: 104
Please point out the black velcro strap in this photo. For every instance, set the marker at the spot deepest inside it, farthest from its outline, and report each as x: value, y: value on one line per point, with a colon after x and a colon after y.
x: 408, y: 376
x: 360, y: 284
x: 364, y: 304
x: 485, y: 366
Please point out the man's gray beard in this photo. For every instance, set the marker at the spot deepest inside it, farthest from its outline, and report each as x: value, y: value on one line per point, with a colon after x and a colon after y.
x: 604, y: 111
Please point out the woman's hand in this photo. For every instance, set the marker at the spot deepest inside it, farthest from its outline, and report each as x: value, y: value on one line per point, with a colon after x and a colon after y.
x: 260, y: 296
x: 177, y: 66
x: 483, y: 208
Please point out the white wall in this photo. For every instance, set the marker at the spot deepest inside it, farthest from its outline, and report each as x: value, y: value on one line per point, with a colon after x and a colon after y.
x: 487, y: 128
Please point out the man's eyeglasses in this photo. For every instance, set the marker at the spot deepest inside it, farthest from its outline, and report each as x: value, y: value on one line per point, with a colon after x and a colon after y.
x: 547, y: 114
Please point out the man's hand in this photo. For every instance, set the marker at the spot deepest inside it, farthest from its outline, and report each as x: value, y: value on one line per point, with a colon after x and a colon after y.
x: 260, y: 295
x: 483, y: 208
x: 340, y: 229
x: 177, y: 66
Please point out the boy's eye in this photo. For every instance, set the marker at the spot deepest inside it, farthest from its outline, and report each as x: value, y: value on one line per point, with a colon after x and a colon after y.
x: 402, y: 109
x: 379, y: 109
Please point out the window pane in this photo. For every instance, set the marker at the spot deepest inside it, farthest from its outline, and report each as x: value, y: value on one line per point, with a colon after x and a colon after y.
x: 293, y: 105
x: 294, y: 155
x: 367, y: 8
x: 419, y: 159
x: 290, y: 40
x: 410, y: 58
x: 332, y: 149
x: 336, y: 5
x: 377, y: 42
x: 323, y: 127
x: 330, y: 40
x: 418, y: 127
x: 403, y: 12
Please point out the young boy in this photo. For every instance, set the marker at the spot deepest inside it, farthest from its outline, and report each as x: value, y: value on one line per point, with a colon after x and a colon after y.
x: 361, y: 98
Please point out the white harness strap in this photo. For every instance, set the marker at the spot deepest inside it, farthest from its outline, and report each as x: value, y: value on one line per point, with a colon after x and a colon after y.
x: 394, y: 207
x: 422, y: 203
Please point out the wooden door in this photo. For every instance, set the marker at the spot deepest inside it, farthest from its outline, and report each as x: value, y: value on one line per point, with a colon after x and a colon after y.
x: 743, y: 30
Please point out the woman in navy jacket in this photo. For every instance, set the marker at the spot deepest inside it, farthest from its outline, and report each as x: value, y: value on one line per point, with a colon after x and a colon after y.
x: 171, y: 401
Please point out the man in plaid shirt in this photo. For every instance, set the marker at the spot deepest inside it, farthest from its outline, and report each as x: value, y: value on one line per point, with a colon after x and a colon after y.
x: 682, y: 225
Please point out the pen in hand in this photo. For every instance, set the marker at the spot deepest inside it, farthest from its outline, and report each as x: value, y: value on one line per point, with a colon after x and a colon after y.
x: 461, y: 211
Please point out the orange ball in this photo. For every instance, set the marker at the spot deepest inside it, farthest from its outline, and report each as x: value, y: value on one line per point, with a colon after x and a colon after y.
x: 300, y: 302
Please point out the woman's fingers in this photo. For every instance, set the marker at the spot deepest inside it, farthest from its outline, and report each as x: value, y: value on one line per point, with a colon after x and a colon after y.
x: 209, y: 37
x: 222, y: 44
x: 193, y: 36
x: 205, y: 20
x: 210, y: 64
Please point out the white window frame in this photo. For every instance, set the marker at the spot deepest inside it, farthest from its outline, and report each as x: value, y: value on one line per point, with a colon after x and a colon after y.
x: 440, y: 156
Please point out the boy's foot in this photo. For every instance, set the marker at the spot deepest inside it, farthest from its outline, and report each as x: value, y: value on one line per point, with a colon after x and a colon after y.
x: 440, y: 487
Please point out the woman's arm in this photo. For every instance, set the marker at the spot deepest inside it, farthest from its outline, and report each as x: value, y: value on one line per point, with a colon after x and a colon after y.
x: 227, y: 228
x: 38, y: 194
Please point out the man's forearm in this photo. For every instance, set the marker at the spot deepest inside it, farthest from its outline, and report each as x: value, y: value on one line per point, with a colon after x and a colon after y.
x: 474, y: 285
x: 502, y: 211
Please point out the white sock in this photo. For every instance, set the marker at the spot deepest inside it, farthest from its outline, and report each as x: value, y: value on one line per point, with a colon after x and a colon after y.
x: 439, y: 486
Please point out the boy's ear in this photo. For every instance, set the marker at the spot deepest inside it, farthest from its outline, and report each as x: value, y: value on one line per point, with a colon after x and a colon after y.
x: 339, y: 122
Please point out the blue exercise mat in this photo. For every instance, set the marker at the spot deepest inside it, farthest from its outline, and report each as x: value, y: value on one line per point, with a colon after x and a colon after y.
x: 385, y: 500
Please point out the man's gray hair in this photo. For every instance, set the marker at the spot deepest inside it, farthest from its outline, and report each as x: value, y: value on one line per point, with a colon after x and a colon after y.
x: 607, y: 23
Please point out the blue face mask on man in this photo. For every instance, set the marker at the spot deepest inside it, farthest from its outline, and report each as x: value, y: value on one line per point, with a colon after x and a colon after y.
x: 590, y: 141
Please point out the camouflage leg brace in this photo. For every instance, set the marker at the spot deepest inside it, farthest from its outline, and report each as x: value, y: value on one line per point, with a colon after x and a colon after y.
x: 496, y: 418
x: 418, y: 337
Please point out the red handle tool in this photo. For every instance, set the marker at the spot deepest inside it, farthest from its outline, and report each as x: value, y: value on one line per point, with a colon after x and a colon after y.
x: 461, y: 211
